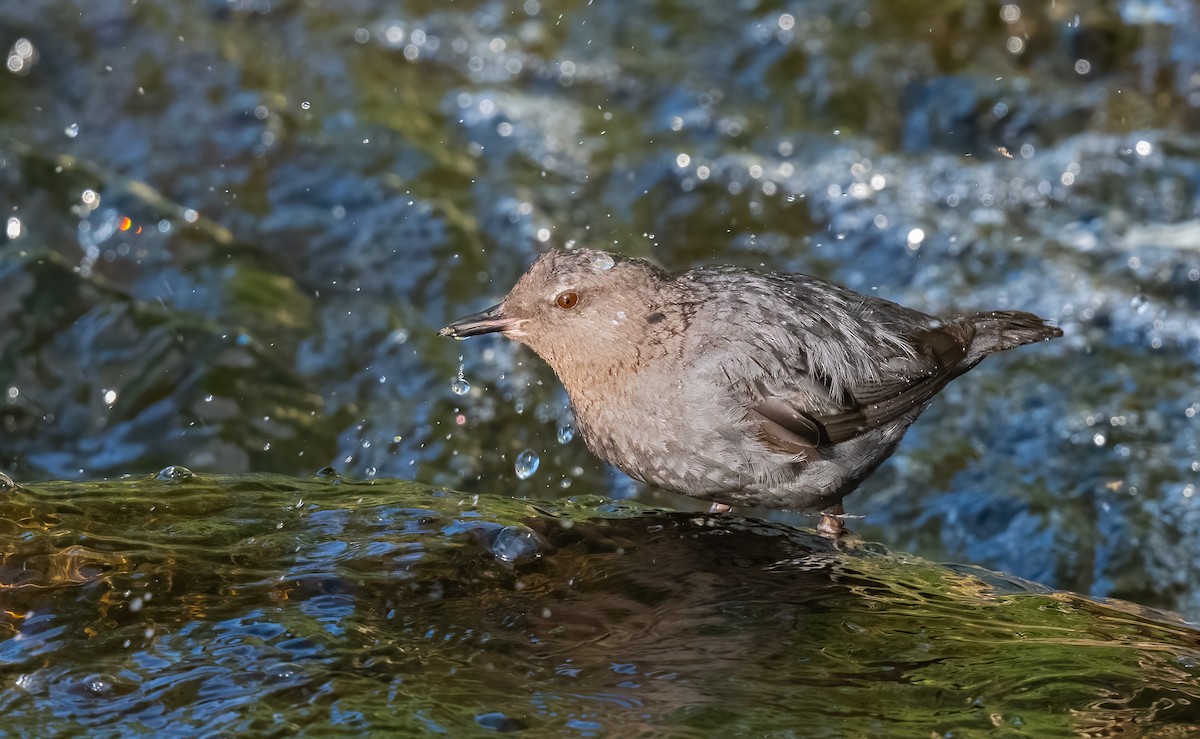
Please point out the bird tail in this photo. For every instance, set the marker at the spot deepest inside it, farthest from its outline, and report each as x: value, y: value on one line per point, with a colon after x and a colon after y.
x: 996, y: 331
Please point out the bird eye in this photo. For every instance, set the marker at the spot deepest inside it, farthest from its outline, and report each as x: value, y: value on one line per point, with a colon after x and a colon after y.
x: 567, y: 300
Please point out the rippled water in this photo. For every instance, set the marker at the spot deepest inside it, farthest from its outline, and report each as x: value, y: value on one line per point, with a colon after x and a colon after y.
x: 232, y: 228
x: 188, y: 605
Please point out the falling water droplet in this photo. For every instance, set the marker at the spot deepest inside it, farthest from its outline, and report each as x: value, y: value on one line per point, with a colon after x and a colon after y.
x: 527, y: 464
x: 72, y: 130
x: 566, y: 432
x: 460, y: 386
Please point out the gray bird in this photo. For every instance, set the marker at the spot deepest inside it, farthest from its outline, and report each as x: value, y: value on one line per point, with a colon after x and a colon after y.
x: 740, y: 387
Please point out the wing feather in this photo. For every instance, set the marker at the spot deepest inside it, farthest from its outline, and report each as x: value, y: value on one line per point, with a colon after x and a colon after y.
x: 905, y: 386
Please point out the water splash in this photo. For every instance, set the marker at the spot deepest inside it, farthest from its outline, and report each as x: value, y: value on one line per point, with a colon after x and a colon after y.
x: 174, y: 473
x: 517, y: 544
x: 527, y: 464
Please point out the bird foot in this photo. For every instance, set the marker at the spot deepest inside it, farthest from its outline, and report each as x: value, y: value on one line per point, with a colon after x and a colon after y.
x: 720, y: 508
x: 831, y: 527
x: 832, y: 524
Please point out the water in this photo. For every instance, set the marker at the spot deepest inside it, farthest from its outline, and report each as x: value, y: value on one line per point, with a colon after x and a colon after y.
x: 527, y: 464
x: 460, y: 386
x: 515, y: 544
x: 352, y: 198
x: 174, y: 472
x: 602, y: 262
x: 566, y: 432
x: 254, y: 604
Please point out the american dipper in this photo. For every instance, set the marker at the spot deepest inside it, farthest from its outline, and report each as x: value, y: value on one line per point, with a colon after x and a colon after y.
x: 741, y: 387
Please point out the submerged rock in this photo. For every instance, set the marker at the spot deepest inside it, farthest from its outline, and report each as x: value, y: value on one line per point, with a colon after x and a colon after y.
x: 233, y: 256
x: 388, y: 606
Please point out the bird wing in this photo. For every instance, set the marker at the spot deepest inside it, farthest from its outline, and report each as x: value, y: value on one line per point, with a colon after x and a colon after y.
x: 906, y: 384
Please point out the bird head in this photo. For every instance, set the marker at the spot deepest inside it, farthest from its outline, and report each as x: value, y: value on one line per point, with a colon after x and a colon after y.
x: 576, y: 306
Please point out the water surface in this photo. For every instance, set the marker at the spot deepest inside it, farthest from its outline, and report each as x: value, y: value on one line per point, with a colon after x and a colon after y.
x: 231, y: 230
x: 183, y: 605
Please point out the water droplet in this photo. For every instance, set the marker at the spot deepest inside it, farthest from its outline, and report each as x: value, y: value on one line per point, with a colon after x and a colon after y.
x: 460, y: 386
x: 527, y: 464
x: 174, y: 472
x: 110, y: 397
x: 98, y: 685
x: 72, y: 130
x: 515, y: 544
x: 602, y: 262
x: 566, y: 432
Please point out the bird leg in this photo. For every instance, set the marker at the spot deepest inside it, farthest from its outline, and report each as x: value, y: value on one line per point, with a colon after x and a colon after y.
x: 831, y: 525
x: 720, y: 508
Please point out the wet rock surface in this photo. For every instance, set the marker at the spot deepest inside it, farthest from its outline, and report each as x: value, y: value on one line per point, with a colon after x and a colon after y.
x: 185, y: 603
x: 233, y: 228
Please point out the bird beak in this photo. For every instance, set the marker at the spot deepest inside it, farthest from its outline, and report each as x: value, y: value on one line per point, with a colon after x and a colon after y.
x: 484, y: 322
